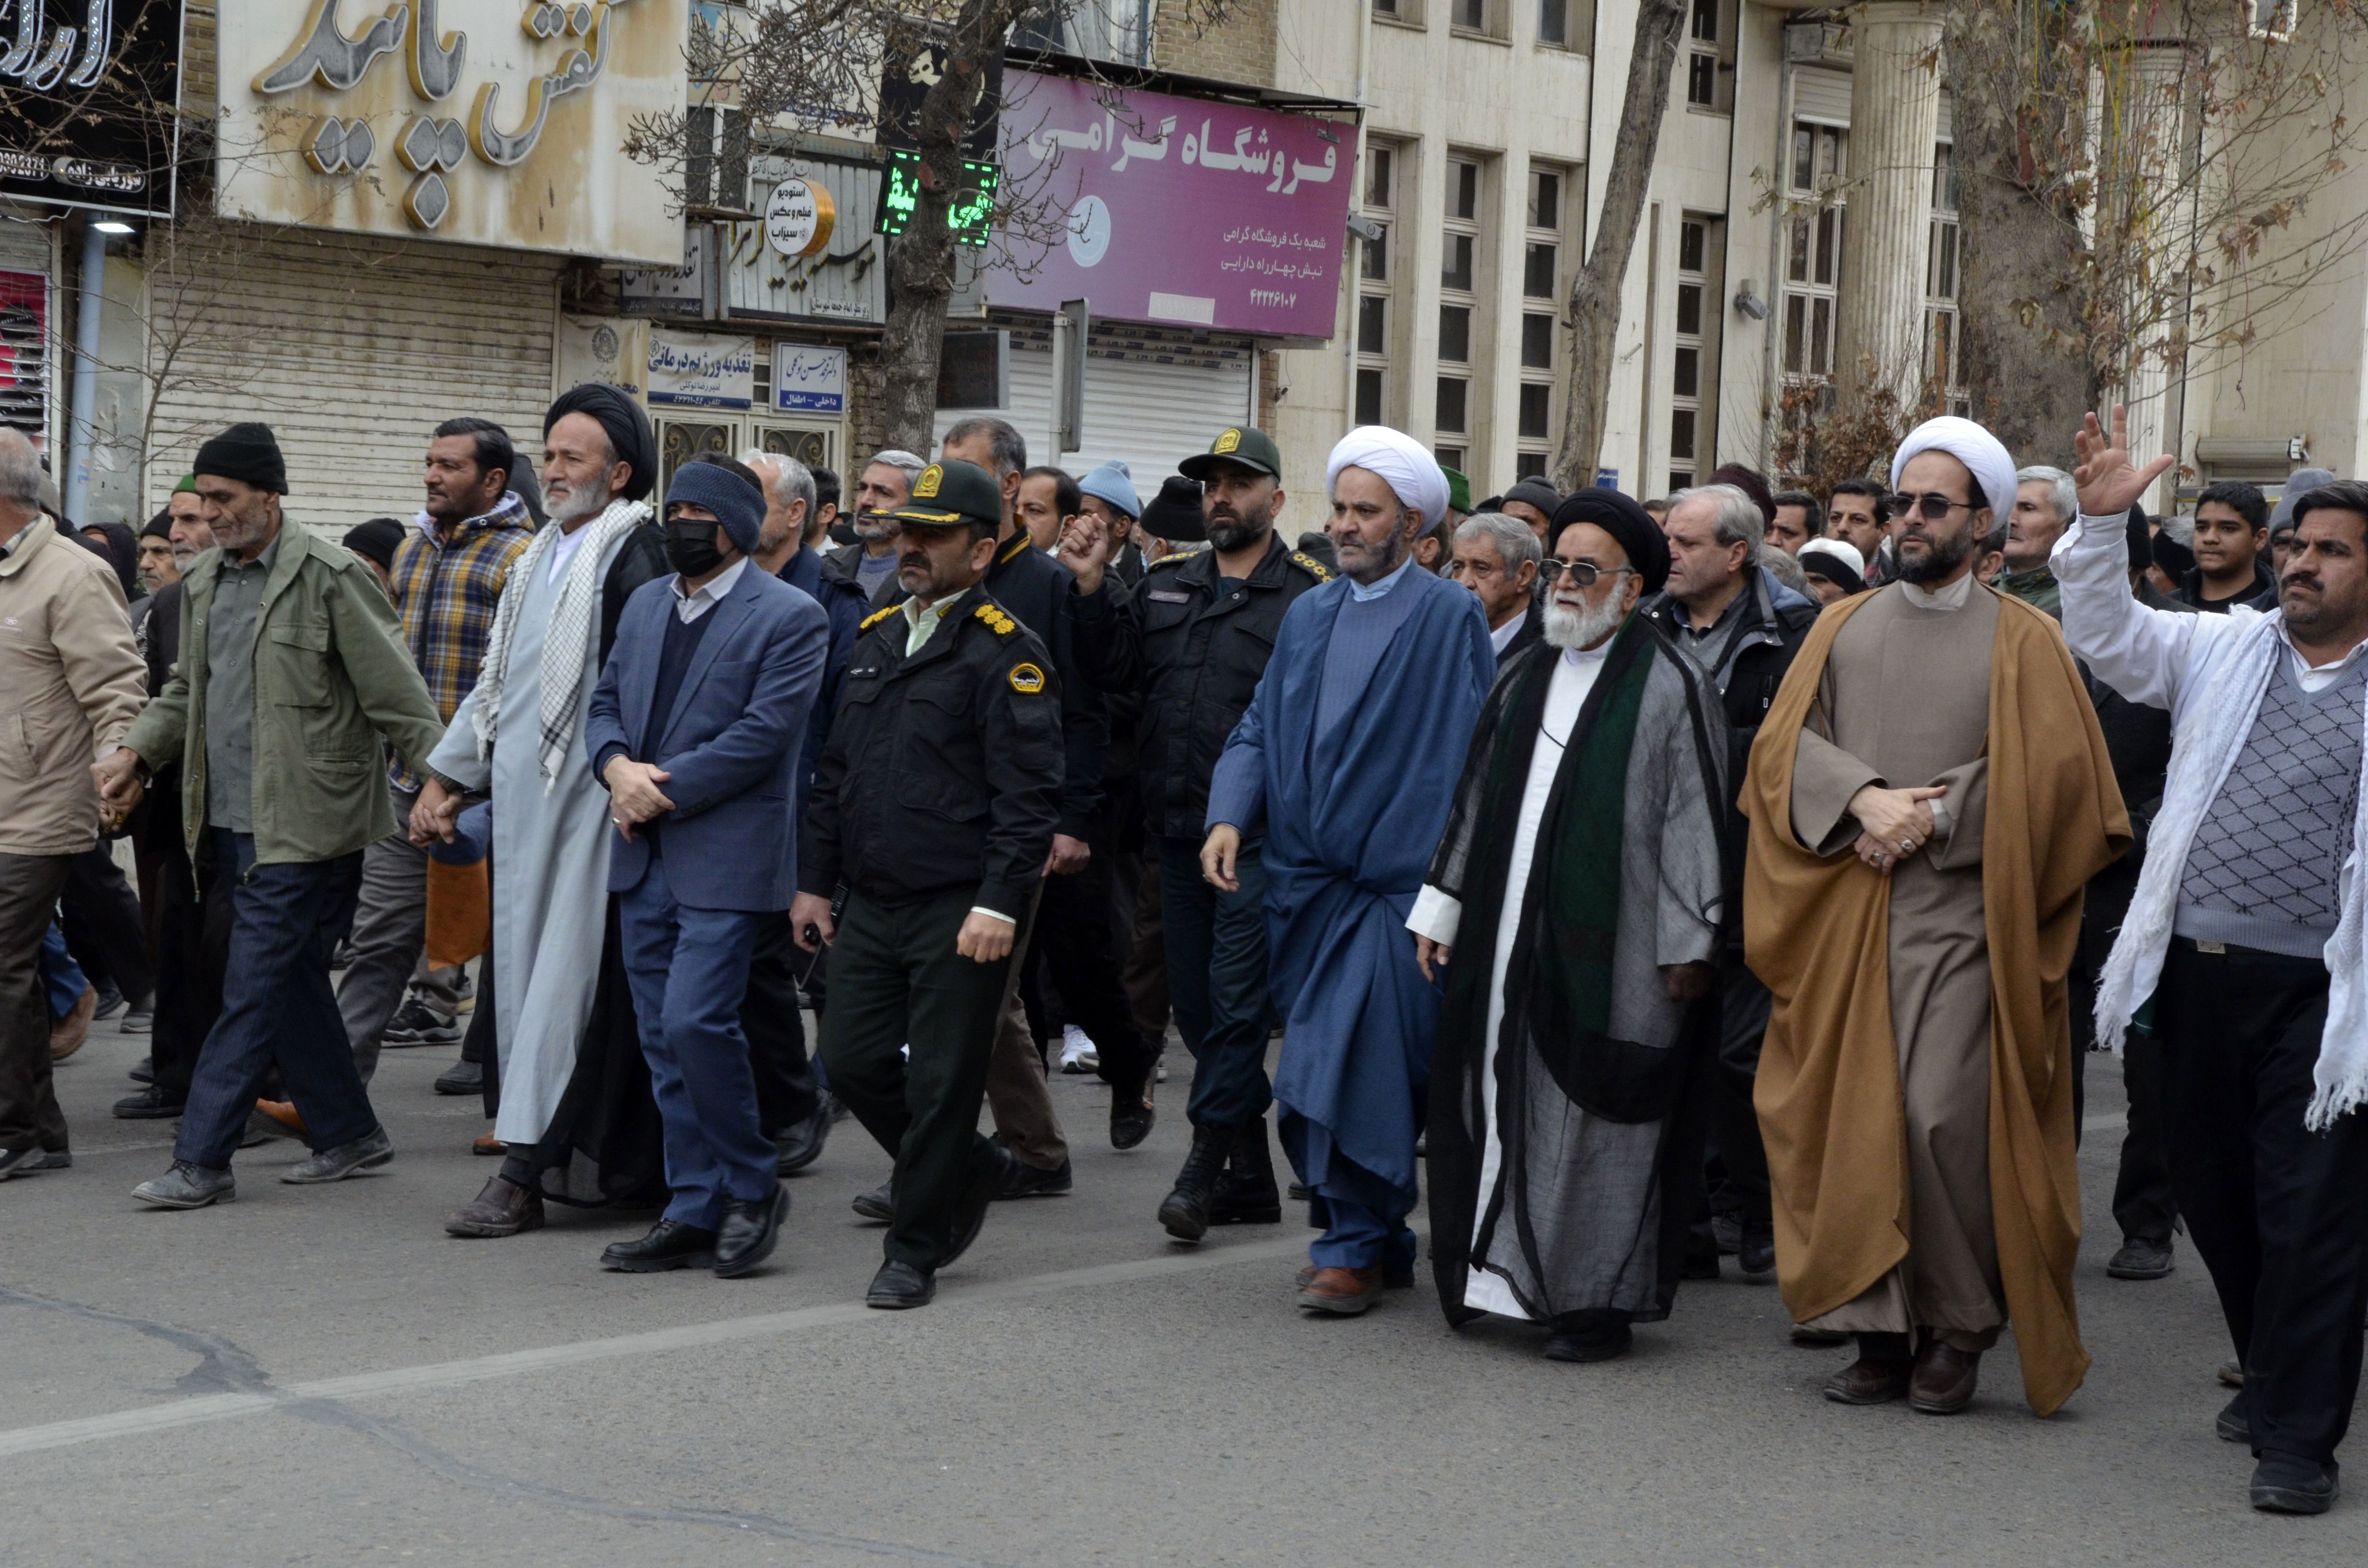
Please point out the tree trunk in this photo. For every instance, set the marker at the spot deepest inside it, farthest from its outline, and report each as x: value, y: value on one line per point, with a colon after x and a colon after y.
x: 921, y: 259
x: 2020, y: 308
x: 1595, y: 293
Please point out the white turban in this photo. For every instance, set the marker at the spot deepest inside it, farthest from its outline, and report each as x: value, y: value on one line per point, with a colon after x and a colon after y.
x: 1971, y: 445
x: 1411, y: 472
x: 1840, y: 550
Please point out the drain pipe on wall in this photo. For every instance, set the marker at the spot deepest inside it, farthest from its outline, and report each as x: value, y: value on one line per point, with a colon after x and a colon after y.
x: 1352, y: 253
x: 81, y: 421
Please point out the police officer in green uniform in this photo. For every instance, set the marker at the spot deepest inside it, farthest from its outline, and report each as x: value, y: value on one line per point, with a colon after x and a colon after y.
x: 933, y: 808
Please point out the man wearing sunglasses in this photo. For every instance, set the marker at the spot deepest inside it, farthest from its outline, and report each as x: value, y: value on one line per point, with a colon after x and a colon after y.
x: 1912, y: 891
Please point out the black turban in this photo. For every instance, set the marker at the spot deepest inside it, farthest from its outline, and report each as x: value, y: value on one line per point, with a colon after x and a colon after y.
x: 1624, y: 520
x: 628, y: 427
x: 248, y: 453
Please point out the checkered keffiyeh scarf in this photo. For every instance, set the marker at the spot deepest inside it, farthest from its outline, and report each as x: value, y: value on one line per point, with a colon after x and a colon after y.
x: 563, y: 645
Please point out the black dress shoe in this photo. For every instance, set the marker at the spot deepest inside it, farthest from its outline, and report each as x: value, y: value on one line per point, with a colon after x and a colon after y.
x: 2232, y: 1423
x: 143, y: 1070
x: 1757, y: 1253
x: 670, y: 1244
x: 150, y: 1104
x: 2288, y: 1484
x: 899, y: 1285
x: 1131, y: 1115
x: 970, y: 1214
x: 1604, y: 1343
x: 462, y: 1078
x: 880, y: 1203
x: 2141, y: 1258
x: 749, y: 1234
x: 1024, y: 1180
x: 800, y: 1144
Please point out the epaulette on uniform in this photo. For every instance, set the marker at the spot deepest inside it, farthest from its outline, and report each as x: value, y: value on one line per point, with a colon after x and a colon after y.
x: 1178, y: 559
x: 877, y: 616
x: 1312, y: 566
x: 996, y: 621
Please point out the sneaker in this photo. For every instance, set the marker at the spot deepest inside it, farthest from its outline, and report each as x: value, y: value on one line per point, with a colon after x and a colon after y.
x: 111, y: 1002
x: 20, y: 1162
x: 2288, y: 1484
x: 1078, y: 1052
x: 2231, y: 1373
x: 141, y: 1018
x: 413, y: 1024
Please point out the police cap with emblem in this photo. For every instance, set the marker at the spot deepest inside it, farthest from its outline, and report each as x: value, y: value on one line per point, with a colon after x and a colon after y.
x: 1250, y: 447
x: 952, y: 492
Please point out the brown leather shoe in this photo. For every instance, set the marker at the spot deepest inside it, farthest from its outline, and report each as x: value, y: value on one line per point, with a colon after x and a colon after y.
x: 284, y: 1113
x: 486, y: 1144
x: 503, y: 1209
x: 67, y: 1034
x: 1943, y: 1383
x: 1870, y: 1380
x: 1346, y: 1291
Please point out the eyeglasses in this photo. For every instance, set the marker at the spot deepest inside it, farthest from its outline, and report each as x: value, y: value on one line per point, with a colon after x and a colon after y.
x: 1583, y: 572
x: 1931, y: 505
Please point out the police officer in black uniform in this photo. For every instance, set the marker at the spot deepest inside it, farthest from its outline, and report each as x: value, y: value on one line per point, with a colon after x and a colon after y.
x: 933, y: 810
x: 1193, y: 638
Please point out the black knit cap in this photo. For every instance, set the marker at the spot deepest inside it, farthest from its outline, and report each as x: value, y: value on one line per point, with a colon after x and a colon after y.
x: 1175, y: 513
x: 160, y: 525
x: 628, y: 427
x: 375, y: 540
x: 1623, y: 519
x: 249, y: 453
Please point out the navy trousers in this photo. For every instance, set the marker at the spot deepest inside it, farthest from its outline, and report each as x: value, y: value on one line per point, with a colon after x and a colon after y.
x: 278, y: 1008
x: 1216, y: 981
x: 689, y: 970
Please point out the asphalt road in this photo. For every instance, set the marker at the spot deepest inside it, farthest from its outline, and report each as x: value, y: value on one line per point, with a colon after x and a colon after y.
x: 321, y: 1376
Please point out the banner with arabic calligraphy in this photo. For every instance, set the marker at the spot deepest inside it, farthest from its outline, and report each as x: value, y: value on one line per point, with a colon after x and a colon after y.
x: 1178, y: 209
x: 89, y: 93
x: 489, y: 123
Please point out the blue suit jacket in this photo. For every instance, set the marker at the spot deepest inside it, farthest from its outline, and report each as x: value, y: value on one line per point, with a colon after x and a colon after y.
x: 732, y: 743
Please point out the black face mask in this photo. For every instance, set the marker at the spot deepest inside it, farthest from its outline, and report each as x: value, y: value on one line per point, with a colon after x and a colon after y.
x: 691, y: 546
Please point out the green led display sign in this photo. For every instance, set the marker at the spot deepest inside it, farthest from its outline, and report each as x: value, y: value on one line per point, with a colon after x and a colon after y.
x: 974, y: 204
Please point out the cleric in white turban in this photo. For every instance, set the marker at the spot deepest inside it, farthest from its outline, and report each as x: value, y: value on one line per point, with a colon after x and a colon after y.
x: 1346, y: 761
x: 1982, y: 455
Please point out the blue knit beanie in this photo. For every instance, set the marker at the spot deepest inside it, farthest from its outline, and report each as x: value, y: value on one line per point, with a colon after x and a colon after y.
x: 1111, y: 482
x: 738, y: 504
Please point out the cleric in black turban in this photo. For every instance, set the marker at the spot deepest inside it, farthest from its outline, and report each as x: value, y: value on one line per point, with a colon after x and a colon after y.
x: 629, y: 429
x: 1624, y: 520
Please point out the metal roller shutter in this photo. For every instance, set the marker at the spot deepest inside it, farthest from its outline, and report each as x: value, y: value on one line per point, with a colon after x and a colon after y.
x: 1154, y: 396
x: 351, y: 348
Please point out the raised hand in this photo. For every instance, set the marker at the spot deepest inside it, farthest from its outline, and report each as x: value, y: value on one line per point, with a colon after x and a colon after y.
x: 2109, y: 484
x: 1086, y: 550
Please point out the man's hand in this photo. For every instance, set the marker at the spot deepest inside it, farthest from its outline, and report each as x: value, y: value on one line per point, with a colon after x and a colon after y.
x: 812, y: 909
x: 2108, y: 482
x: 1218, y: 857
x: 1427, y: 953
x: 1068, y: 857
x: 1896, y: 821
x: 633, y: 793
x: 436, y: 814
x: 1688, y: 982
x: 117, y: 778
x: 1086, y: 550
x: 983, y: 937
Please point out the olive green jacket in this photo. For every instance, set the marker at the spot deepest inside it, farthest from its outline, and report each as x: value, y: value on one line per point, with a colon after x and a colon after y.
x: 332, y: 673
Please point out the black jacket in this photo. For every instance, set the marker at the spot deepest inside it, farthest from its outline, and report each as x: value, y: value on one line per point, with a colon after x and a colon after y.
x: 1035, y: 590
x: 943, y: 770
x: 2261, y: 595
x: 642, y: 558
x: 1196, y: 658
x: 1745, y: 654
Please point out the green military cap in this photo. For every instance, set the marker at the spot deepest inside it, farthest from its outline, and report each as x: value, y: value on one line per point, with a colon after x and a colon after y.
x: 1252, y: 448
x: 1459, y: 490
x: 952, y: 492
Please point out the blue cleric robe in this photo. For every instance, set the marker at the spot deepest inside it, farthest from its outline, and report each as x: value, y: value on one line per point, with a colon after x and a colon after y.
x: 1351, y: 781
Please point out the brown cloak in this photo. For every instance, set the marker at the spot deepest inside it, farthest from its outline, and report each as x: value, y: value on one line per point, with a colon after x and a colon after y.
x: 1816, y: 931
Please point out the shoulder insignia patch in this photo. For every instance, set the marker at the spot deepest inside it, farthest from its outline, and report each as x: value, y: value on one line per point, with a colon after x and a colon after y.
x: 996, y: 621
x: 1177, y: 559
x: 1314, y: 567
x: 877, y: 616
x: 1027, y: 680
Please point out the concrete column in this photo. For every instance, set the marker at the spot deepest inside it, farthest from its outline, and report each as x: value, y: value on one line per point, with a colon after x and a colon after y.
x: 1888, y: 233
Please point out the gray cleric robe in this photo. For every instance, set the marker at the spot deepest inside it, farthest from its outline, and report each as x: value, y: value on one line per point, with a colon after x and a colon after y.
x: 1905, y: 702
x: 551, y: 860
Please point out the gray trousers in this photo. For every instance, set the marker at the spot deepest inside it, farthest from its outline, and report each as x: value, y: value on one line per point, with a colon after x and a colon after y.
x: 389, y: 941
x: 30, y: 1118
x: 1016, y: 1088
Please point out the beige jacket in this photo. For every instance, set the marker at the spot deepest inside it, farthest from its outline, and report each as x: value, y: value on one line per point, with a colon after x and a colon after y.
x: 73, y: 681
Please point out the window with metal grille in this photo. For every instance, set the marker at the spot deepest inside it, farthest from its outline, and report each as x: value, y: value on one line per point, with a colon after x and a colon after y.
x: 1944, y: 354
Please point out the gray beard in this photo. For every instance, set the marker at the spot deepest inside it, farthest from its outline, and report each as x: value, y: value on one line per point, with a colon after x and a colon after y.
x: 873, y: 528
x: 578, y: 505
x: 1581, y: 628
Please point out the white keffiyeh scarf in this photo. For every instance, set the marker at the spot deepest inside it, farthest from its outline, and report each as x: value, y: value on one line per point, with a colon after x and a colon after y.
x: 2200, y: 765
x: 564, y: 644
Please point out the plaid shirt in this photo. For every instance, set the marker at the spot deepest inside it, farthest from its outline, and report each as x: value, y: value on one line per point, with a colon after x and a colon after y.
x: 445, y: 594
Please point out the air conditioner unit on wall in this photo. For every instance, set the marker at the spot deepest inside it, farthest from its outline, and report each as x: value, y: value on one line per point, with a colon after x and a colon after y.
x: 2249, y: 457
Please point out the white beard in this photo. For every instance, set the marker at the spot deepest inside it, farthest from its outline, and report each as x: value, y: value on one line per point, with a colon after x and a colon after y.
x: 1582, y: 628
